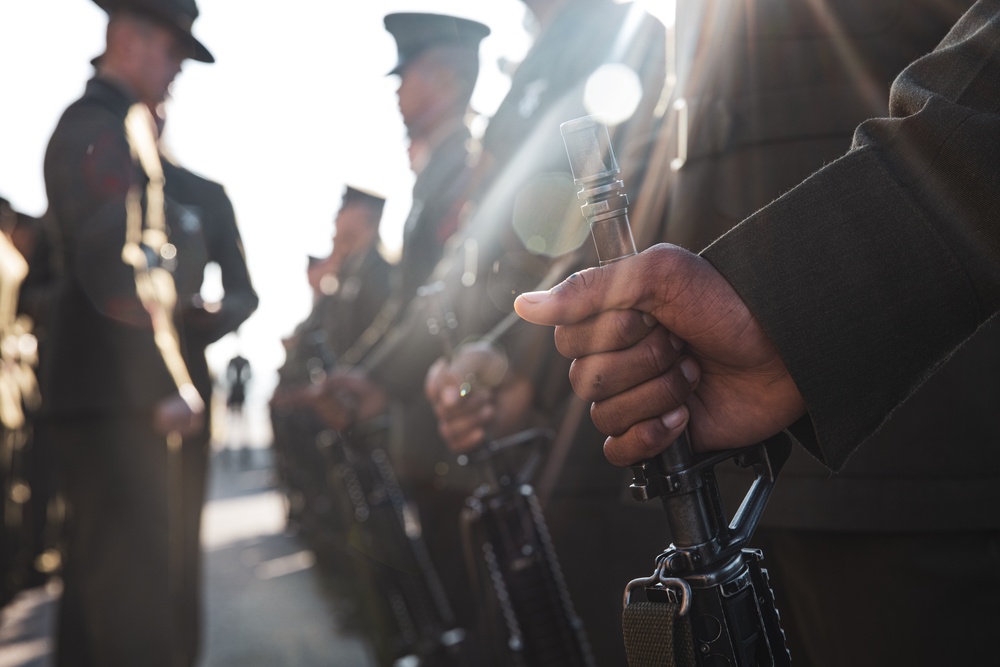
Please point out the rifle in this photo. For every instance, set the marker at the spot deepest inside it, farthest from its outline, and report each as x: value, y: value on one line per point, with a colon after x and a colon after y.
x: 503, y: 518
x: 505, y: 537
x: 394, y: 556
x: 708, y: 601
x: 354, y: 503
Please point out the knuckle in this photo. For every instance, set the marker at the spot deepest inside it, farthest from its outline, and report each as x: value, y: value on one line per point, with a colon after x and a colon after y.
x: 648, y: 438
x: 608, y: 418
x: 667, y: 389
x: 580, y: 281
x: 657, y: 354
x: 613, y: 453
x: 586, y: 385
x: 563, y: 340
x: 623, y: 329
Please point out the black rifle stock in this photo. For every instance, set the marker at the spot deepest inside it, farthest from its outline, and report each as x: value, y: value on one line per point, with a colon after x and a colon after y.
x: 506, y: 539
x: 408, y: 607
x: 503, y: 518
x: 708, y: 601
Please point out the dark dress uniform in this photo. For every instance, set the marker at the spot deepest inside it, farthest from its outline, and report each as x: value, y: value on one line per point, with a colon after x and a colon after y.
x: 396, y: 351
x: 104, y: 375
x: 331, y: 328
x: 576, y: 481
x: 522, y: 217
x: 910, y: 519
x: 26, y: 465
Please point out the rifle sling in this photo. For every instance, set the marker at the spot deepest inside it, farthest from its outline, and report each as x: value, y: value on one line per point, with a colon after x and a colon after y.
x: 656, y: 635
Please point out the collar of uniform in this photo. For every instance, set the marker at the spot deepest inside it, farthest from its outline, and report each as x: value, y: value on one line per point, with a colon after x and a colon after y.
x: 439, y: 136
x: 116, y: 94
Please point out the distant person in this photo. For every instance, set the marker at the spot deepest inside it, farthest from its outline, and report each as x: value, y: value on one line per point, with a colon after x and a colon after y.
x: 238, y: 374
x: 119, y: 392
x: 26, y: 466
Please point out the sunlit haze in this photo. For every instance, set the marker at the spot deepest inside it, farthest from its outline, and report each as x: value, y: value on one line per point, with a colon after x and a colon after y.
x: 297, y: 105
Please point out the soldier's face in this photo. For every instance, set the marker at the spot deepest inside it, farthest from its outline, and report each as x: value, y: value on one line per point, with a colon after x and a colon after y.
x: 419, y: 91
x: 161, y: 58
x: 352, y: 228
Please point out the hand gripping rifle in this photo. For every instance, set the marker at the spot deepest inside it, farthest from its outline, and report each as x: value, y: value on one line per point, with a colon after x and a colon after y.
x: 366, y: 517
x: 708, y: 602
x: 395, y: 559
x: 506, y: 540
x: 504, y: 520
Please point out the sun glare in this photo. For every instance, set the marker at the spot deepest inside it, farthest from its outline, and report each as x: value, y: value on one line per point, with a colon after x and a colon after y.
x: 612, y: 93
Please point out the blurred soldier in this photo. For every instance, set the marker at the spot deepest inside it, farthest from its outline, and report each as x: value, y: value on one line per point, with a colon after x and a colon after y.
x: 524, y: 186
x: 25, y: 459
x: 238, y: 375
x: 356, y: 283
x: 118, y: 389
x: 351, y: 286
x: 438, y: 65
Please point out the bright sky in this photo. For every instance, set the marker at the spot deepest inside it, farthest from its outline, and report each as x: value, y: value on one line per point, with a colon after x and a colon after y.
x: 296, y: 106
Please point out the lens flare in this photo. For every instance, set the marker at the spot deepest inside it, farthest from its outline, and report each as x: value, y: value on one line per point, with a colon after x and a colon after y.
x: 612, y: 93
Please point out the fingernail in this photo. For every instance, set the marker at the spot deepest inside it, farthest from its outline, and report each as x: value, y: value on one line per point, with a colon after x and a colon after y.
x: 649, y: 320
x: 674, y: 418
x: 534, y: 297
x: 676, y: 342
x: 690, y: 370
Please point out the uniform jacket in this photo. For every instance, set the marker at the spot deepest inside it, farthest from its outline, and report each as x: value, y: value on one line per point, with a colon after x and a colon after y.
x: 869, y: 275
x: 439, y: 194
x: 101, y: 356
x: 523, y: 208
x: 337, y: 319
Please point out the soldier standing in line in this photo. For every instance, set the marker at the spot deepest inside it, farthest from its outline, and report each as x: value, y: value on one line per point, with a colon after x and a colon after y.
x: 119, y: 394
x: 522, y: 145
x: 351, y: 290
x: 26, y: 469
x: 521, y: 179
x: 438, y: 65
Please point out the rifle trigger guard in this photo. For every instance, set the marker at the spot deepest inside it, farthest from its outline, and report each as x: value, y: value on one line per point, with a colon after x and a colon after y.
x: 673, y: 585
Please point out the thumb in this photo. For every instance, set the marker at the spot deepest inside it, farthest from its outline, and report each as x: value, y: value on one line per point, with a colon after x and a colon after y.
x: 583, y: 294
x: 620, y: 285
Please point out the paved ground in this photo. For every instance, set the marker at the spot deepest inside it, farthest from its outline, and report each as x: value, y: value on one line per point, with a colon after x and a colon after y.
x: 266, y: 604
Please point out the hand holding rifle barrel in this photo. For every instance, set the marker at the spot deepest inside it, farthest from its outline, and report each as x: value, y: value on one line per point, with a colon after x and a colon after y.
x: 664, y: 348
